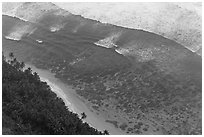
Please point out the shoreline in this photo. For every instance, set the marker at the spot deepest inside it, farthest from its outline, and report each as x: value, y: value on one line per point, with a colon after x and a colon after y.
x: 74, y: 102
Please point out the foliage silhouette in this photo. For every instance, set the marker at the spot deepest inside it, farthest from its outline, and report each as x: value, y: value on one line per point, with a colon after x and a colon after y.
x: 30, y: 107
x: 83, y: 115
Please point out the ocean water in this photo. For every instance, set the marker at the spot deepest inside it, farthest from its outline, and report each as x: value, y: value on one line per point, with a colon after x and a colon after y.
x: 90, y: 46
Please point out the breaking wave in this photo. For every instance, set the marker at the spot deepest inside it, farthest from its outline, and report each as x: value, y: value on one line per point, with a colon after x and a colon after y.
x: 57, y: 27
x: 110, y: 41
x: 18, y: 32
x: 14, y: 16
x: 12, y: 38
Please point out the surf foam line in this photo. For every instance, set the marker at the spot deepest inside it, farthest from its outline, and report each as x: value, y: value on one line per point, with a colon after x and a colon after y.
x: 18, y: 31
x: 14, y: 16
x: 57, y: 27
x: 11, y: 38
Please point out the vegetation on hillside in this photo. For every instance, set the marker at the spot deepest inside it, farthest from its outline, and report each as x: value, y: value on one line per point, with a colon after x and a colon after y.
x: 30, y: 107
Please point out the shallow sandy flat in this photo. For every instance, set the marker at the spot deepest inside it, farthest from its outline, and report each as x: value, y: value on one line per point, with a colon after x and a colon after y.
x: 74, y: 103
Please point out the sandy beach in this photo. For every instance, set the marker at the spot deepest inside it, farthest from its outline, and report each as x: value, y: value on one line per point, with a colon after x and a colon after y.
x: 74, y: 103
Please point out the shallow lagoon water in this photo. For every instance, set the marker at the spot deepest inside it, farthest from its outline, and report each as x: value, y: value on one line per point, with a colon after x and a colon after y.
x: 74, y: 103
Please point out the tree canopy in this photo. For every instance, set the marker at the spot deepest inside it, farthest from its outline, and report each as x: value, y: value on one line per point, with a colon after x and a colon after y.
x: 30, y: 107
